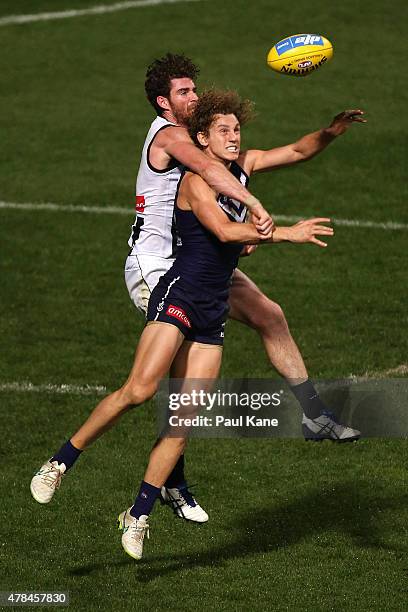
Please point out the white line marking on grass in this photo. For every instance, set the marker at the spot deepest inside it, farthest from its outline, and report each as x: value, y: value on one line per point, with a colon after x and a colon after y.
x: 92, y: 10
x: 399, y: 371
x: 97, y: 210
x: 28, y: 387
x: 387, y: 225
x: 116, y: 210
x: 68, y: 389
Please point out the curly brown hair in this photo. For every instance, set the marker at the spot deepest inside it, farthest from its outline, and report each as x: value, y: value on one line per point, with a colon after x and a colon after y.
x: 161, y: 71
x: 217, y: 102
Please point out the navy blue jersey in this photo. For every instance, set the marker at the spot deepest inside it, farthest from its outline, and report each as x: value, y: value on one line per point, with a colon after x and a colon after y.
x: 203, y: 259
x: 193, y: 294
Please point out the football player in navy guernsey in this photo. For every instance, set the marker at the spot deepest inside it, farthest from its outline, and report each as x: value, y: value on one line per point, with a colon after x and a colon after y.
x: 170, y: 87
x: 188, y: 307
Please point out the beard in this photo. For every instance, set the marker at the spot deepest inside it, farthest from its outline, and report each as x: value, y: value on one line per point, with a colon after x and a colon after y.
x: 182, y: 115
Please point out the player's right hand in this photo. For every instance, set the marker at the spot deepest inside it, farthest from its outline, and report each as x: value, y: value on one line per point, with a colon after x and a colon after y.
x: 248, y: 249
x: 343, y: 120
x: 307, y: 230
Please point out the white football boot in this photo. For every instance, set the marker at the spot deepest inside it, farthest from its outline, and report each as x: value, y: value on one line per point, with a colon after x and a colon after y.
x: 183, y: 504
x: 134, y: 531
x: 326, y: 427
x: 46, y: 481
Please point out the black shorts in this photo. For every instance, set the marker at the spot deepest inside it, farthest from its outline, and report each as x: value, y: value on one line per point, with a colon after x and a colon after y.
x: 199, y: 314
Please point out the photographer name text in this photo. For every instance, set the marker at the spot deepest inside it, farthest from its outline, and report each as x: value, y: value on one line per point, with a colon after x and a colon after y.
x: 221, y: 421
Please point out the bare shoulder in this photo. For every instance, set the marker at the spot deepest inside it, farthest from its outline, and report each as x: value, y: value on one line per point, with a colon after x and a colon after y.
x: 186, y: 190
x: 172, y: 134
x: 193, y: 182
x: 193, y: 189
x: 246, y: 160
x: 170, y: 142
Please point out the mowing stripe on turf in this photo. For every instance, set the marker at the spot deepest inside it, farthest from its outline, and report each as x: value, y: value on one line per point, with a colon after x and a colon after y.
x: 387, y: 225
x: 92, y: 10
x: 64, y: 389
x: 28, y: 387
x: 398, y: 372
x: 116, y: 210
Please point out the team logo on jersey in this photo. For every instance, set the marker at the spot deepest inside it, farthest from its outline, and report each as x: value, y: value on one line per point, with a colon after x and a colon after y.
x: 178, y: 313
x: 233, y: 208
x: 140, y: 204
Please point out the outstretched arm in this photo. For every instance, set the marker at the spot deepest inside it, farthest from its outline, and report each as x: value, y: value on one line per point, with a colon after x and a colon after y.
x: 304, y: 231
x: 307, y: 147
x: 196, y: 194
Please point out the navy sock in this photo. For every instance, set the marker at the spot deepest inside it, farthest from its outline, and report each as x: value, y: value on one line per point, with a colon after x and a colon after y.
x: 309, y: 399
x: 176, y: 477
x: 67, y: 454
x: 145, y: 499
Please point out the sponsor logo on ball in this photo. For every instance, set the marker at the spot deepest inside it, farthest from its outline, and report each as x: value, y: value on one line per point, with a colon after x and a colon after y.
x: 303, y: 71
x: 305, y: 64
x: 283, y: 46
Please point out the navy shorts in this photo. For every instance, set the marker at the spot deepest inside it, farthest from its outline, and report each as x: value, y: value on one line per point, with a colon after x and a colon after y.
x: 199, y: 315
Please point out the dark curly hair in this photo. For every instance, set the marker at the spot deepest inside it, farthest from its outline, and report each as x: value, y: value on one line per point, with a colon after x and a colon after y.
x: 216, y: 102
x: 161, y: 71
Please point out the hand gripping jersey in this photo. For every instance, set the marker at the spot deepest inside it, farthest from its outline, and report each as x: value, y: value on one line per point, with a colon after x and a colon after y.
x: 153, y: 232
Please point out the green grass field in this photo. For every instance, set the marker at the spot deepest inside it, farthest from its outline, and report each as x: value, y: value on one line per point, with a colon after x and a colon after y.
x: 293, y: 526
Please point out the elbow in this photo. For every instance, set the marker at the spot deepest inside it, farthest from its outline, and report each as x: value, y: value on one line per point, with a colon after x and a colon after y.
x: 224, y: 234
x: 301, y: 156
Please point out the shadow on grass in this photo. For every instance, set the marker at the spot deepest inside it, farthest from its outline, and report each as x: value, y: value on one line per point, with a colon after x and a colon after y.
x: 350, y: 509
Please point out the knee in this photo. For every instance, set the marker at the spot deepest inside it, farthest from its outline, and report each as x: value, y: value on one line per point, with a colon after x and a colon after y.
x: 275, y: 314
x: 178, y: 443
x: 267, y: 315
x: 136, y: 393
x: 182, y: 444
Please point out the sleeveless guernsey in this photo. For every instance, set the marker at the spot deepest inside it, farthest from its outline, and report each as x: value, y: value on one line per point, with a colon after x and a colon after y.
x: 202, y: 259
x: 193, y: 294
x: 153, y: 232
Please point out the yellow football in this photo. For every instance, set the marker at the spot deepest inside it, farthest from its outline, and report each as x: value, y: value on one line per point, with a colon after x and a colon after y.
x: 300, y: 54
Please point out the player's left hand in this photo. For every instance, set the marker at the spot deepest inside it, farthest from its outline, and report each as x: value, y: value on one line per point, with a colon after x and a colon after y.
x: 343, y: 120
x: 306, y: 231
x: 248, y: 249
